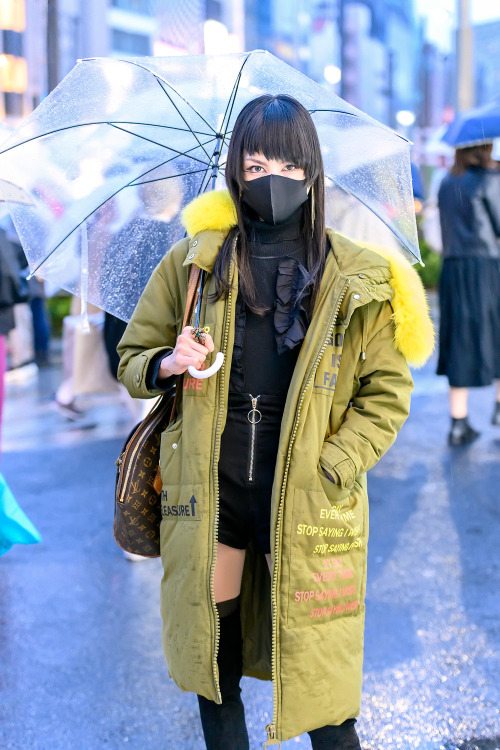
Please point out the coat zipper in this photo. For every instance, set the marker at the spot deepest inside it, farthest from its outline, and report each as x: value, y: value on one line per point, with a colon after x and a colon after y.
x: 271, y: 737
x: 272, y: 728
x: 225, y: 336
x: 254, y: 416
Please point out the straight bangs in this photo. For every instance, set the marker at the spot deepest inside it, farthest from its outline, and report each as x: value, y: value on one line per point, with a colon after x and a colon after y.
x: 279, y: 132
x: 280, y: 128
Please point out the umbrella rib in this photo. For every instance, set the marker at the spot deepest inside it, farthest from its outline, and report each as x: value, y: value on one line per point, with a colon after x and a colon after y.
x: 181, y: 115
x: 235, y: 90
x: 364, y: 203
x: 201, y: 188
x: 232, y: 97
x: 160, y: 179
x: 129, y: 184
x: 98, y: 122
x: 150, y: 140
x: 227, y: 114
x: 160, y: 78
x: 167, y: 161
x: 135, y: 183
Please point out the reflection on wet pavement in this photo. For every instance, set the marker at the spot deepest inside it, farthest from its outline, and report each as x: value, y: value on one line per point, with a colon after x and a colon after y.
x: 32, y: 420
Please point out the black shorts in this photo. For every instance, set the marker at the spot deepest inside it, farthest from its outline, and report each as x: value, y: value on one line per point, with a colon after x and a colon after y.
x: 246, y: 471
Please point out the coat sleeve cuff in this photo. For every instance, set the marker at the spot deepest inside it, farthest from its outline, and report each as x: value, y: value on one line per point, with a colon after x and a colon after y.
x: 135, y: 378
x: 153, y: 382
x: 336, y: 462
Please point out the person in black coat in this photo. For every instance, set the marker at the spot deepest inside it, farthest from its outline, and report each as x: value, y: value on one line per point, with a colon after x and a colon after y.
x: 469, y: 335
x: 13, y: 289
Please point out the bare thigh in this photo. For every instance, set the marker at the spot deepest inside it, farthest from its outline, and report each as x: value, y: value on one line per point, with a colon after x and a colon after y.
x: 228, y: 572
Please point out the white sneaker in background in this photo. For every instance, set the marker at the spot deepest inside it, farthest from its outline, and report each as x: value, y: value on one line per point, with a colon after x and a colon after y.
x: 21, y: 375
x: 70, y: 411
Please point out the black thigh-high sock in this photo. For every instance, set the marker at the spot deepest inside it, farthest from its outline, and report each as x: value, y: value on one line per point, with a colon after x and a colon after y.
x: 341, y: 737
x: 224, y: 724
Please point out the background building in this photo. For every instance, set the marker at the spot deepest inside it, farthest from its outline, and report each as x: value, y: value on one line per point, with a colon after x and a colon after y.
x: 41, y: 40
x: 365, y: 50
x: 16, y: 93
x: 487, y: 62
x: 374, y: 53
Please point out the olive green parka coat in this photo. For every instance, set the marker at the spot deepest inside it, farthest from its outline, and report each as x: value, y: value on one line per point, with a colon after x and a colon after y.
x: 349, y: 395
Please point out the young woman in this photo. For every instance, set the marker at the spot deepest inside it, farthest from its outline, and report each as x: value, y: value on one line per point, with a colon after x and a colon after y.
x: 264, y: 505
x: 469, y: 293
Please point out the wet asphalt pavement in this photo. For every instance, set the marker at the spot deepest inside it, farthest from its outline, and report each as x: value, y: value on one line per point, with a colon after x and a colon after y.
x: 81, y: 666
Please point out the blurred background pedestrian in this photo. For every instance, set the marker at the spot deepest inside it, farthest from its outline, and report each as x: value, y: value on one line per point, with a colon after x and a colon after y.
x: 11, y: 293
x: 469, y: 335
x: 15, y: 527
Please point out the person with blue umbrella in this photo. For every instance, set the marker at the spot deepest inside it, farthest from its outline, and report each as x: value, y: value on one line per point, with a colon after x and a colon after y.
x: 469, y: 293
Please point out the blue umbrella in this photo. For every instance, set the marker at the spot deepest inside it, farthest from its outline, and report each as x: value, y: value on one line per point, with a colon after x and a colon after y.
x: 474, y: 127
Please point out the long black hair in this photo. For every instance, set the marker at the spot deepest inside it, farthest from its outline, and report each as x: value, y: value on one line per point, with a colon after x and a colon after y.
x: 280, y: 128
x: 472, y: 156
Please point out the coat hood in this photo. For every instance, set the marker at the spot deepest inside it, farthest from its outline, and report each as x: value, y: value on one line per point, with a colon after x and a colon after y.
x: 214, y: 213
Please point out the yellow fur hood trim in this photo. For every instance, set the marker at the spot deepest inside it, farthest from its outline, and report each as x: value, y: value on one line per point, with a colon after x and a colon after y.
x: 414, y: 332
x: 214, y: 210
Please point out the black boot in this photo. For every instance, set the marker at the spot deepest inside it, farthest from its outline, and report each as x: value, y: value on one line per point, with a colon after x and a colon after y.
x: 461, y: 432
x: 341, y: 737
x: 224, y: 726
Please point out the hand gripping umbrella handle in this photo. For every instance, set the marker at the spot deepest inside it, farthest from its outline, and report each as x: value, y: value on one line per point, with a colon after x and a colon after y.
x: 201, y: 374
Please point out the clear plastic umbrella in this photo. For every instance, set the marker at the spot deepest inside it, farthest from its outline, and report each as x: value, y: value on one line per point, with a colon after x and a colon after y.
x: 116, y: 151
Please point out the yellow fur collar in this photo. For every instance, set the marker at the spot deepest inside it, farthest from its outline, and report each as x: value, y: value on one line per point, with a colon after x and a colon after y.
x: 414, y: 332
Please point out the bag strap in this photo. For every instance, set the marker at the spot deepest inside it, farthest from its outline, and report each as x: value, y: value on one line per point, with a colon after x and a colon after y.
x: 192, y: 297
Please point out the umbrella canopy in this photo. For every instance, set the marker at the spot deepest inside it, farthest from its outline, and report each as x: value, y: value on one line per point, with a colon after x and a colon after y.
x: 474, y: 127
x: 111, y: 157
x: 10, y: 193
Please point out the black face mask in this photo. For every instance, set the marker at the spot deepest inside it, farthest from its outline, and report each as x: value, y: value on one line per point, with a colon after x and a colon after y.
x: 275, y: 198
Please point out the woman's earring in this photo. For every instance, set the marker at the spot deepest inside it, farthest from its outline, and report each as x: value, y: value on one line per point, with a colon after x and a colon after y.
x: 313, y: 208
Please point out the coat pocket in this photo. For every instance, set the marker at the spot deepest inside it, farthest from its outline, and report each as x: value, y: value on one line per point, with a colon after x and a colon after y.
x: 347, y: 505
x: 171, y: 454
x: 180, y: 499
x: 327, y: 553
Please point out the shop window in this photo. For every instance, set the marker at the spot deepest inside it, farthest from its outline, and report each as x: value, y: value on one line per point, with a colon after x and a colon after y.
x: 134, y: 6
x: 134, y: 44
x: 12, y: 15
x: 13, y: 74
x: 13, y: 104
x: 213, y: 10
x: 12, y: 43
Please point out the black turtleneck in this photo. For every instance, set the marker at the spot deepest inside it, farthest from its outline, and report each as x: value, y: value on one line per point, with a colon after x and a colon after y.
x: 274, y: 254
x: 266, y: 346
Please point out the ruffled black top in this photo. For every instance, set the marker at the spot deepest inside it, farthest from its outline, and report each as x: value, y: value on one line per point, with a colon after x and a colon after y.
x: 266, y: 346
